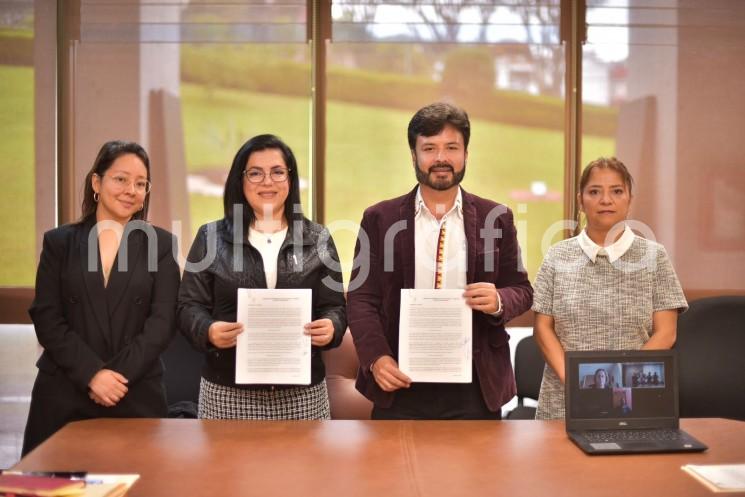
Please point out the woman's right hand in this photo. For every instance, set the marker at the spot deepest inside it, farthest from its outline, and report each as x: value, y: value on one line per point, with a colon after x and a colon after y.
x: 107, y: 387
x: 224, y: 335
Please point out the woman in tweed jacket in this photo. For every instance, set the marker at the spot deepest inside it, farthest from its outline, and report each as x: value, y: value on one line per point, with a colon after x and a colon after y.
x: 605, y: 289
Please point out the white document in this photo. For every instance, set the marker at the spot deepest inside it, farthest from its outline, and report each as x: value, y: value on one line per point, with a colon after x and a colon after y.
x: 719, y: 477
x: 273, y: 348
x: 435, y: 336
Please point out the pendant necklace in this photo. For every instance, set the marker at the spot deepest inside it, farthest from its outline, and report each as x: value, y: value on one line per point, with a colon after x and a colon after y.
x: 268, y: 238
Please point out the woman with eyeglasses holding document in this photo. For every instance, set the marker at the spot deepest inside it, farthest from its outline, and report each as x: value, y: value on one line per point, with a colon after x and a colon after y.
x: 605, y: 289
x: 275, y: 247
x: 105, y: 303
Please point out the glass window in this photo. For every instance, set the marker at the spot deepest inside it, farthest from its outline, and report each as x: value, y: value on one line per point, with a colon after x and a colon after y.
x: 668, y: 76
x: 191, y: 82
x: 27, y: 183
x: 26, y: 167
x: 503, y: 64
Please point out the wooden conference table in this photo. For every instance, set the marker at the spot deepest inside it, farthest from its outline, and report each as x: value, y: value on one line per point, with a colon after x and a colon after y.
x: 373, y: 458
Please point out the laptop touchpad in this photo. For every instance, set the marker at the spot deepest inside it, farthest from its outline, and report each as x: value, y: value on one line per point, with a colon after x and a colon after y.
x: 605, y: 446
x: 640, y: 445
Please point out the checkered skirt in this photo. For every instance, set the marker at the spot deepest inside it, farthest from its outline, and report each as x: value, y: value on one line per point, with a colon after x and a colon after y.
x: 301, y: 402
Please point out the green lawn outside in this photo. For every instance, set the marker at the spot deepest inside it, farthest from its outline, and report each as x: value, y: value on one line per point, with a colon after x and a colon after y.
x: 17, y: 212
x: 218, y: 121
x: 367, y: 161
x: 368, y: 158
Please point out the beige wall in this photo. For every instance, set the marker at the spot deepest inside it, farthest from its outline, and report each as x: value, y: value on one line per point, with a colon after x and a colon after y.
x: 710, y: 179
x: 683, y: 135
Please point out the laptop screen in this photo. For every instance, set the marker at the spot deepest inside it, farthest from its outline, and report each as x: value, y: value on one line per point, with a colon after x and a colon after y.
x: 616, y: 385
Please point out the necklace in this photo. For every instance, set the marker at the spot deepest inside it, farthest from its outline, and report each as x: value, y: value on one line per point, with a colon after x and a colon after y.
x: 256, y: 236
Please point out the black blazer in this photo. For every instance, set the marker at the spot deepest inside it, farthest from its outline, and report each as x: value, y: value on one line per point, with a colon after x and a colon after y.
x: 84, y: 326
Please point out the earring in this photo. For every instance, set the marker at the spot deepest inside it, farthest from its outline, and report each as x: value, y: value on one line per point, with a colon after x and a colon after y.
x: 95, y: 197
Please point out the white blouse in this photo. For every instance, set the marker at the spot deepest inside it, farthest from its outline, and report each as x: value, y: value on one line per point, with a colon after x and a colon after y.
x: 268, y: 245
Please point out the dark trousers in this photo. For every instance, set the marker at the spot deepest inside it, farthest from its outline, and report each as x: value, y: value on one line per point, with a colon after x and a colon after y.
x: 438, y: 401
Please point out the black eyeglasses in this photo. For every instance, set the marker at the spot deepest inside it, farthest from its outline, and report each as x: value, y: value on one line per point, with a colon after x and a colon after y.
x: 255, y: 175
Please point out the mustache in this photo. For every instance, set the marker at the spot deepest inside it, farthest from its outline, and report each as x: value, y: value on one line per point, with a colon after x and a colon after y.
x: 440, y: 166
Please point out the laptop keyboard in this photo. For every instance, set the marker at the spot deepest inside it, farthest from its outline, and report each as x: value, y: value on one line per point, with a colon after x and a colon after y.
x: 596, y: 436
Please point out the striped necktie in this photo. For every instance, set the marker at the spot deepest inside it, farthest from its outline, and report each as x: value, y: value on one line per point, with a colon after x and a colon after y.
x: 440, y: 257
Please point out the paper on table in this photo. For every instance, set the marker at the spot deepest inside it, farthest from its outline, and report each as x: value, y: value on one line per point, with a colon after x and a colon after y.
x: 105, y: 490
x: 719, y: 477
x: 273, y: 348
x: 435, y: 336
x: 109, y: 485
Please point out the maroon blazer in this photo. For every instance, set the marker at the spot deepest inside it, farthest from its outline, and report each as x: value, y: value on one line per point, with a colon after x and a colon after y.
x: 374, y: 297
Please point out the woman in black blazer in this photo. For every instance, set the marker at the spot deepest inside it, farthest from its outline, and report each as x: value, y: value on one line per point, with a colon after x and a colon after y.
x: 104, y: 310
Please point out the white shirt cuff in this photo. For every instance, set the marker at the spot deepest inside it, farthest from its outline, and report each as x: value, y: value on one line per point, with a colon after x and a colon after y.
x: 499, y: 306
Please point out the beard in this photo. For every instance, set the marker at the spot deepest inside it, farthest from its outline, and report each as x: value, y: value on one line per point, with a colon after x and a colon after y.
x: 429, y: 178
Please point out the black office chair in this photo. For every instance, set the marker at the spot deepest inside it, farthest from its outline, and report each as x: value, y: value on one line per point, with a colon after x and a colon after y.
x: 529, y: 365
x: 183, y: 371
x: 711, y: 355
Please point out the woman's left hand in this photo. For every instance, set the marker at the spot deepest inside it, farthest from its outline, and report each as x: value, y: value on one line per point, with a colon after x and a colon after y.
x: 321, y: 332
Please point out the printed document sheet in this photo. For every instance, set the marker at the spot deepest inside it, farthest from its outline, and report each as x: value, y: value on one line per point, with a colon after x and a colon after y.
x: 719, y: 477
x: 272, y: 348
x: 435, y: 336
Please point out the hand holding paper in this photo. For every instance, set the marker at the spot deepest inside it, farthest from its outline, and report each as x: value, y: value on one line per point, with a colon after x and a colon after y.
x: 224, y: 335
x: 482, y: 297
x: 320, y: 331
x: 388, y: 376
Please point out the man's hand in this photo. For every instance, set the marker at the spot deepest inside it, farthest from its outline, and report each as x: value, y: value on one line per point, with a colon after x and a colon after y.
x: 482, y: 297
x: 321, y: 331
x: 388, y: 376
x: 224, y: 335
x: 107, y: 387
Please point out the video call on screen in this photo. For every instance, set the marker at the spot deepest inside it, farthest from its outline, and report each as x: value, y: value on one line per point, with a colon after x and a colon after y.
x: 623, y: 389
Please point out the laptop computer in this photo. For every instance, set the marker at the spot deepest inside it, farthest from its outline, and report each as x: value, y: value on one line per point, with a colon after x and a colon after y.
x: 620, y: 402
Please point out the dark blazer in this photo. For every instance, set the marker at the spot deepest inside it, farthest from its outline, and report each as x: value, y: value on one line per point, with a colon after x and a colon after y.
x: 374, y: 301
x: 84, y: 326
x: 209, y: 295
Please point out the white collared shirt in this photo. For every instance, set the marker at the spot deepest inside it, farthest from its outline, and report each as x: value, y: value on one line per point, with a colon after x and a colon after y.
x: 426, y: 234
x: 613, y: 251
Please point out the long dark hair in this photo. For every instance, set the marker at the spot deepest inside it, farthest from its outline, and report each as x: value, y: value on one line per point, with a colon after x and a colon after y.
x: 233, y: 194
x: 111, y: 151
